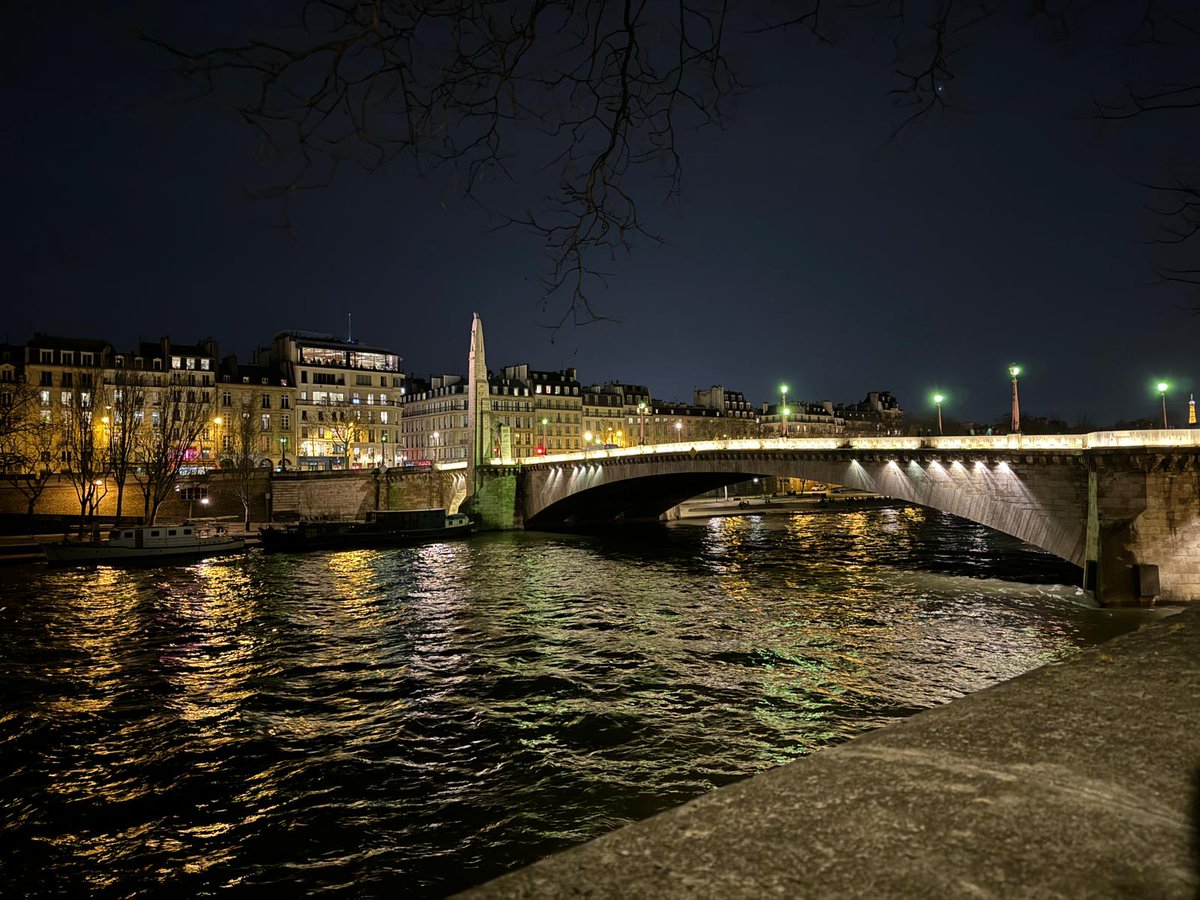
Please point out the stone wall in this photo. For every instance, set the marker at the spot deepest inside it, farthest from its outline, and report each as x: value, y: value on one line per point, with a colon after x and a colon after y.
x: 495, y: 504
x: 351, y: 495
x: 58, y: 502
x: 1144, y: 527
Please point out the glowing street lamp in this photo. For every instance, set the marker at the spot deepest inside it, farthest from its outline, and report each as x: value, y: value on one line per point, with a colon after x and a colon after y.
x: 587, y: 442
x: 641, y: 422
x: 217, y: 420
x: 543, y: 449
x: 1162, y: 392
x: 785, y: 412
x: 679, y: 429
x: 1014, y: 370
x: 938, y: 398
x: 783, y: 389
x: 433, y: 443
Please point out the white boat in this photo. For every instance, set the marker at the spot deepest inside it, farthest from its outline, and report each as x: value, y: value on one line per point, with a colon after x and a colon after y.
x: 137, y: 543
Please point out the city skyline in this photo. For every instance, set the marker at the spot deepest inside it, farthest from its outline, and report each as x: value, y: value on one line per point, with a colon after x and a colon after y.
x: 805, y: 248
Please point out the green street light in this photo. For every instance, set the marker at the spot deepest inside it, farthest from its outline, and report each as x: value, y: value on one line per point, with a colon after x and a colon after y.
x: 1014, y: 370
x: 1162, y: 392
x: 938, y: 398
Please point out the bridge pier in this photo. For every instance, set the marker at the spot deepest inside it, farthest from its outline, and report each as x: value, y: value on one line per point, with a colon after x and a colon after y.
x: 1143, y: 528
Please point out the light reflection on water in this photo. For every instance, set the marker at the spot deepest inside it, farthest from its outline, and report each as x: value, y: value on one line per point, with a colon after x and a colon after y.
x: 418, y: 720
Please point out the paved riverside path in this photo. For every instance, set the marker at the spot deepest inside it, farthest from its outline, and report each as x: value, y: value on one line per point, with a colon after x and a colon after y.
x: 1078, y: 779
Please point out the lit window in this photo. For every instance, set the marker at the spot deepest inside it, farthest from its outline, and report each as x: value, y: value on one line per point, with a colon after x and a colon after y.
x: 176, y: 362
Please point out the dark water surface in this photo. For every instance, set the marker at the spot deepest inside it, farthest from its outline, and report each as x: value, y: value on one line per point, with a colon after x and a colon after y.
x: 414, y: 721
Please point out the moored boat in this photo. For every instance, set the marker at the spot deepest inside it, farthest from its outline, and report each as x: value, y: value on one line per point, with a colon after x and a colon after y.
x: 381, y: 528
x: 149, y: 542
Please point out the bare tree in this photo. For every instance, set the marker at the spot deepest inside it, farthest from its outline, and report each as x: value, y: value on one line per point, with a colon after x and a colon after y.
x: 177, y: 416
x: 342, y: 421
x: 125, y: 409
x: 602, y: 87
x: 84, y: 440
x: 595, y: 94
x: 242, y: 462
x: 29, y: 442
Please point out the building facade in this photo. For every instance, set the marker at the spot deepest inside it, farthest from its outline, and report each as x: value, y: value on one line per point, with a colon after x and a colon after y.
x: 266, y: 399
x: 557, y: 401
x: 435, y: 426
x: 347, y: 402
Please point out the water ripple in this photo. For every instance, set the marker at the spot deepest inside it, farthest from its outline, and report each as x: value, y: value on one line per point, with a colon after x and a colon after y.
x: 373, y: 722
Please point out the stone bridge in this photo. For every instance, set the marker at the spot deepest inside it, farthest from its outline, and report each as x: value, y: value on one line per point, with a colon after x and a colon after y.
x: 1123, y: 506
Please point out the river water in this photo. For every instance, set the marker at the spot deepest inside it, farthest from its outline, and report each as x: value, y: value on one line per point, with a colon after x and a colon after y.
x: 414, y: 721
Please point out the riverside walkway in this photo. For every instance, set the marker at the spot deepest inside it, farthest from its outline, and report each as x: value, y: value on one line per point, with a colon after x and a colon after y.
x: 1078, y: 779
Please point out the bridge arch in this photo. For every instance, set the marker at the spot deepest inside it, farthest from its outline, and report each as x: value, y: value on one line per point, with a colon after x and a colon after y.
x: 1039, y: 498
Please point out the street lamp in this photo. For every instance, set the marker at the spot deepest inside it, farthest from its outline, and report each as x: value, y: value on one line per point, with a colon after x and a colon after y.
x: 587, y: 442
x: 545, y: 449
x: 1014, y: 370
x: 679, y: 429
x: 938, y: 398
x: 783, y: 389
x: 434, y: 444
x: 1162, y: 392
x: 641, y: 422
x: 784, y: 413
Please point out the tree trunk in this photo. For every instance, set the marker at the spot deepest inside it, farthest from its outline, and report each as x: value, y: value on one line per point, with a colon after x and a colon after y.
x: 120, y: 500
x: 246, y: 507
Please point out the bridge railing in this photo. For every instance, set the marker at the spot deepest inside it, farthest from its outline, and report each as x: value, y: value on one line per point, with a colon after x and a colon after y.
x: 1151, y: 438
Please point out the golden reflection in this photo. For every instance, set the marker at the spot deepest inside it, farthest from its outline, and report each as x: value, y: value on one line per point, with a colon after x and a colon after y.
x: 212, y: 673
x: 95, y: 626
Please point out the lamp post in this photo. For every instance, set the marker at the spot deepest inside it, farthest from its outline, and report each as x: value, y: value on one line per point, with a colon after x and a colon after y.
x: 434, y: 438
x: 217, y: 420
x: 783, y: 389
x: 938, y: 398
x: 679, y: 429
x: 545, y: 422
x: 1014, y: 370
x: 587, y: 443
x: 1162, y: 392
x: 641, y: 422
x: 784, y: 413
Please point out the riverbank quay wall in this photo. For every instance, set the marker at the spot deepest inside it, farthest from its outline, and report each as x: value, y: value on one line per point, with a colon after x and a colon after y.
x: 352, y: 494
x: 58, y: 505
x: 1078, y: 779
x: 274, y: 496
x: 1123, y: 508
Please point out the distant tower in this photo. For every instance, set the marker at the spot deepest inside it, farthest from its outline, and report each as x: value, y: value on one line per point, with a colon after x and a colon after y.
x: 478, y: 401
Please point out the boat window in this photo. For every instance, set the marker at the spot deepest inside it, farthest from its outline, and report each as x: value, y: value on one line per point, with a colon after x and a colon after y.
x: 155, y: 533
x: 187, y: 531
x: 128, y: 534
x: 172, y: 531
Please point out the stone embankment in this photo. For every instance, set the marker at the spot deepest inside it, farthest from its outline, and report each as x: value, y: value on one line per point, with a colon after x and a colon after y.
x: 1078, y: 779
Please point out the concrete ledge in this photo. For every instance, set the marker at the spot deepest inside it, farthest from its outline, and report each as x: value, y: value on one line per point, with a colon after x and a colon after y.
x: 1078, y: 779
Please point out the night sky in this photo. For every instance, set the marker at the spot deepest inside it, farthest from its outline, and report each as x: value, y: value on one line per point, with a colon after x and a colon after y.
x: 806, y: 247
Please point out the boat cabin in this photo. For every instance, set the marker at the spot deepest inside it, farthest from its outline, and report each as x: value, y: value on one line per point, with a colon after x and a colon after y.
x: 164, y: 536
